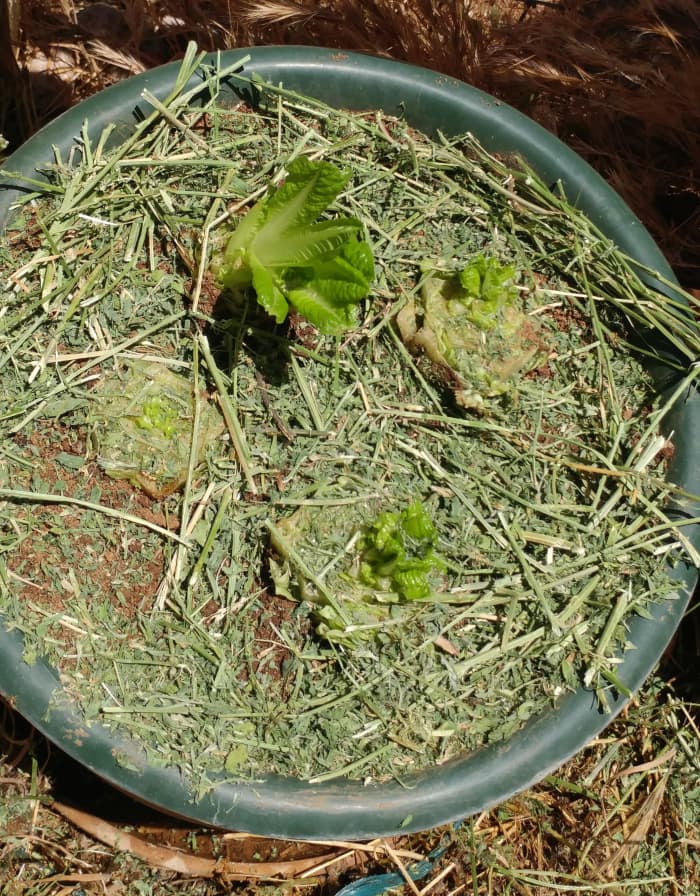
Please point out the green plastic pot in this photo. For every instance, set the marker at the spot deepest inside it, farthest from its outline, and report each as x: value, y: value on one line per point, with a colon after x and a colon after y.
x: 283, y: 807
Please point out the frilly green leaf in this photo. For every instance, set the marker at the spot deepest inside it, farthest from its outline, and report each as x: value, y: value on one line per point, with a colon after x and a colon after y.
x: 323, y: 268
x: 393, y: 564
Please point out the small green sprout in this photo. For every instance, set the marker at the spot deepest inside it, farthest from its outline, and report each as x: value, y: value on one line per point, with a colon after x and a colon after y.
x: 393, y: 564
x: 398, y: 553
x: 485, y: 290
x: 142, y: 426
x: 470, y: 324
x: 158, y: 414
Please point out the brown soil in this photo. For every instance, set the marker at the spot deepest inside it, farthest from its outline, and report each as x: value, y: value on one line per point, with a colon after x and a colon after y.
x: 52, y: 538
x: 60, y: 561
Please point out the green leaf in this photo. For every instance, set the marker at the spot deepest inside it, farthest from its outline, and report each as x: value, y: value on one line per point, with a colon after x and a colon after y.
x: 268, y: 291
x: 359, y: 255
x: 286, y: 214
x: 398, y: 548
x: 418, y: 525
x: 470, y: 280
x: 472, y: 322
x: 486, y: 288
x: 309, y: 188
x: 323, y: 268
x: 316, y: 242
x: 320, y: 309
x: 327, y: 293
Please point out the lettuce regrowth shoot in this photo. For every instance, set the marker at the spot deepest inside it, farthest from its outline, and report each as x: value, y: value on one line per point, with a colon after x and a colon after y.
x: 393, y: 563
x: 484, y: 289
x: 398, y: 553
x: 471, y: 325
x: 323, y: 268
x: 159, y: 414
x: 142, y: 426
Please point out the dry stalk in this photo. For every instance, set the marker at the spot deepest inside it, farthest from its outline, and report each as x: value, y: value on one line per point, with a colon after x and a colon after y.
x: 183, y: 863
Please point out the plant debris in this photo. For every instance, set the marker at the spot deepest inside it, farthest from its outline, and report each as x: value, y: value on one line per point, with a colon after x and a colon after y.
x: 547, y: 517
x: 142, y: 427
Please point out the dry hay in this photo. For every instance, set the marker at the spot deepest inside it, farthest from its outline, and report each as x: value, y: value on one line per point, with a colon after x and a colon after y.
x: 617, y: 80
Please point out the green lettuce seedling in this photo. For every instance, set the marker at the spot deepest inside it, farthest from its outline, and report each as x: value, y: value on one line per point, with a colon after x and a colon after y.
x: 485, y: 289
x: 142, y: 426
x: 288, y: 257
x: 158, y: 414
x: 398, y: 553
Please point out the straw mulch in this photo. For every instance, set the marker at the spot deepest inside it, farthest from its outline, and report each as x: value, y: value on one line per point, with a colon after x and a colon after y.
x: 616, y: 80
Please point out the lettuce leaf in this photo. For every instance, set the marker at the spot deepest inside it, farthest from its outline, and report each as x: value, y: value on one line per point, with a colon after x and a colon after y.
x: 280, y: 250
x: 394, y: 564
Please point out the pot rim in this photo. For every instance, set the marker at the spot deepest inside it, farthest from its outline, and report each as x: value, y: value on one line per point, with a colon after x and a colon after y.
x: 289, y: 808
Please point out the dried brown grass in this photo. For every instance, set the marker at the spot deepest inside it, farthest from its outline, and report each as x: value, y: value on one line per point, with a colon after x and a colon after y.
x: 450, y: 37
x: 617, y: 80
